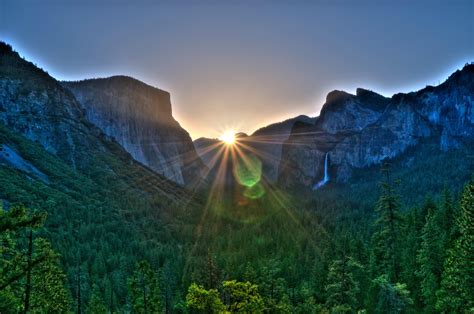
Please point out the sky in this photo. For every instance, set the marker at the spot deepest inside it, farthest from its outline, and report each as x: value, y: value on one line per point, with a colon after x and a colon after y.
x: 245, y: 64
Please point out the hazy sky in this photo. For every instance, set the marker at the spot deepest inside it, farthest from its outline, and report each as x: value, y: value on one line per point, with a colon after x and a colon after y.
x: 244, y: 64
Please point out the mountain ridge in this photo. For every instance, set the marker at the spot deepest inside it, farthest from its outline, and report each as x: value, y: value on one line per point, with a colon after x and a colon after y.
x: 139, y: 117
x: 358, y: 132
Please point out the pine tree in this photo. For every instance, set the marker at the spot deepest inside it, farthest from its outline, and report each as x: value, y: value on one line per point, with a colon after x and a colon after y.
x: 144, y: 289
x: 36, y: 279
x: 410, y: 234
x: 431, y: 255
x: 212, y: 272
x: 249, y: 273
x: 96, y: 303
x: 457, y: 285
x: 49, y: 293
x: 342, y: 288
x: 391, y: 298
x: 386, y: 255
x: 272, y: 286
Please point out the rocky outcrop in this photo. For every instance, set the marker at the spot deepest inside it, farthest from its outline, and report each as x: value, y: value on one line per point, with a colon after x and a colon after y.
x: 36, y: 107
x: 364, y: 129
x: 139, y: 117
x: 9, y: 157
x: 267, y: 144
x: 34, y: 104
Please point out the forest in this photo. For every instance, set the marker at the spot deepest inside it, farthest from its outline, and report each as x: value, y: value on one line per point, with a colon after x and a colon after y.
x: 403, y: 260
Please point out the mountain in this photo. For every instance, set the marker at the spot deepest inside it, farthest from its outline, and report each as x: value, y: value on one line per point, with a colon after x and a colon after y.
x: 266, y: 143
x: 139, y: 117
x: 358, y: 131
x: 104, y: 208
x: 205, y: 148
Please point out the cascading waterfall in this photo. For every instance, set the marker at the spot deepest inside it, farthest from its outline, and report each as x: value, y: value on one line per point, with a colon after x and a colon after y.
x: 326, y: 174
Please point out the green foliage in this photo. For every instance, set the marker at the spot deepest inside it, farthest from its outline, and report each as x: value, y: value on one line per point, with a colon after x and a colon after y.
x: 431, y: 255
x: 202, y: 300
x: 96, y: 303
x: 144, y: 289
x: 392, y: 298
x: 50, y: 293
x: 386, y: 253
x: 91, y: 211
x: 244, y: 297
x: 287, y: 245
x: 457, y: 285
x: 35, y: 281
x: 342, y: 289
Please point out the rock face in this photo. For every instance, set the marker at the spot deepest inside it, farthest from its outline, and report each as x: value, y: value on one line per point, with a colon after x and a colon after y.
x: 9, y: 157
x: 267, y: 143
x: 34, y: 104
x: 139, y: 117
x: 364, y: 129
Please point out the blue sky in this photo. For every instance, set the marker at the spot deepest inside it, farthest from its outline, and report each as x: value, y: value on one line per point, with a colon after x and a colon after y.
x: 244, y: 64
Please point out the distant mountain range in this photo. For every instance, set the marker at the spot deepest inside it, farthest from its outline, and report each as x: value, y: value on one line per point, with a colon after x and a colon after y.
x: 362, y: 130
x: 355, y: 131
x: 365, y: 129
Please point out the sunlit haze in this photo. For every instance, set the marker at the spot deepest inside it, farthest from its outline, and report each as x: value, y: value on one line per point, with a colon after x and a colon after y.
x: 248, y: 62
x: 228, y: 137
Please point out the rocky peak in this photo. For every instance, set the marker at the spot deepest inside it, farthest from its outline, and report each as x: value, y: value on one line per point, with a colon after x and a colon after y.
x: 139, y: 117
x: 371, y: 99
x: 364, y: 129
x: 344, y: 112
x: 32, y: 103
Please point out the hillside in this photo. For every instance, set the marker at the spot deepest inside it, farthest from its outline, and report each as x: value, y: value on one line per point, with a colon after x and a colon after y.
x: 104, y: 209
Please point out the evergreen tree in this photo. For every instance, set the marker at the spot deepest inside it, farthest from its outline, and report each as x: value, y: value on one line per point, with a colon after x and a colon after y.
x: 96, y: 303
x: 272, y: 286
x: 307, y: 303
x: 144, y: 289
x: 249, y: 273
x: 410, y: 237
x: 212, y: 275
x: 318, y: 279
x: 49, y: 293
x: 35, y: 282
x: 341, y: 288
x: 431, y: 255
x: 457, y: 285
x: 386, y: 255
x: 392, y: 298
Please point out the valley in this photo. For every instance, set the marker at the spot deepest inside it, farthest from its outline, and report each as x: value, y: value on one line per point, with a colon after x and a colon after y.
x: 108, y: 206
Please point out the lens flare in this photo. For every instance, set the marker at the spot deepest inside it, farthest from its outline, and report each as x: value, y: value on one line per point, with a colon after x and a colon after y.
x: 254, y: 192
x: 248, y: 170
x: 228, y: 137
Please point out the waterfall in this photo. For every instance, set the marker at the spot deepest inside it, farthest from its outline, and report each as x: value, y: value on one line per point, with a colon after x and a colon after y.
x: 326, y: 174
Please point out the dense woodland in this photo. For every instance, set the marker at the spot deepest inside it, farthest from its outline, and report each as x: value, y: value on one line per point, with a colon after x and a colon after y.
x: 416, y: 259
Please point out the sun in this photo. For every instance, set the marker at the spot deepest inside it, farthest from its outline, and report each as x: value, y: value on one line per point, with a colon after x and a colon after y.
x: 228, y: 137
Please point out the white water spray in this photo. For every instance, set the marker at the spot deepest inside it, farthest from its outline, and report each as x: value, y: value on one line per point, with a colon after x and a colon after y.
x: 326, y: 175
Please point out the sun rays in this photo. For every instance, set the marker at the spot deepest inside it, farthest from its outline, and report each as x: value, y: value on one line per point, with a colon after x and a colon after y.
x: 228, y: 137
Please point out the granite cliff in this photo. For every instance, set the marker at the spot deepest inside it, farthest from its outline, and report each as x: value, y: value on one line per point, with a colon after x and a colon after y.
x: 361, y: 130
x: 139, y: 117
